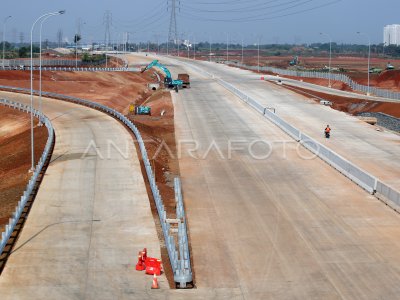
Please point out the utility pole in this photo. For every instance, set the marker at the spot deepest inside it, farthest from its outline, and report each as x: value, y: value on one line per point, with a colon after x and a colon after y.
x: 242, y: 50
x: 330, y: 57
x: 210, y: 49
x: 194, y: 47
x: 258, y: 55
x: 4, y: 36
x: 78, y: 36
x: 369, y: 60
x: 227, y: 47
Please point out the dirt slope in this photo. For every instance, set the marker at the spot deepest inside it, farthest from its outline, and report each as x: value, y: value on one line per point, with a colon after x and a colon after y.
x: 115, y: 89
x: 15, y: 158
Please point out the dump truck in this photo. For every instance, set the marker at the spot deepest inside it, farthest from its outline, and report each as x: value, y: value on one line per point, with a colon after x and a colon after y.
x: 185, y: 78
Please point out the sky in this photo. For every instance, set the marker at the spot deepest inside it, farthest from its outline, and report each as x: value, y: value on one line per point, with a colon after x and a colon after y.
x: 269, y: 21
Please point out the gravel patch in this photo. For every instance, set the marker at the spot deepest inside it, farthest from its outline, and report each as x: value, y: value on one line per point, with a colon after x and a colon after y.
x: 384, y: 120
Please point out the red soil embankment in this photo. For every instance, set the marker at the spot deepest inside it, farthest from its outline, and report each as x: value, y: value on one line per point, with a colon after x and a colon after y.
x: 351, y: 105
x: 114, y: 89
x: 15, y: 157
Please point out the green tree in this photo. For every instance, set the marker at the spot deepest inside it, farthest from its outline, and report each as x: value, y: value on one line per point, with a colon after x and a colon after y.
x: 26, y: 51
x: 23, y: 52
x: 7, y: 46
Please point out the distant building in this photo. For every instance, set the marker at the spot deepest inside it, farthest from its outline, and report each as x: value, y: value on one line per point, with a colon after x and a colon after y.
x: 391, y: 35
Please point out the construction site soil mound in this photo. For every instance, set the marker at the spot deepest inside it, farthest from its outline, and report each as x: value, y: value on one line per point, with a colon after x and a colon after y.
x: 114, y: 89
x: 354, y: 67
x: 389, y: 80
x: 15, y: 158
x: 324, y: 82
x: 351, y: 105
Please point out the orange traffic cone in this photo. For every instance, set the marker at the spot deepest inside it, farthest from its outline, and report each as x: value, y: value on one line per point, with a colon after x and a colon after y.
x: 154, y: 285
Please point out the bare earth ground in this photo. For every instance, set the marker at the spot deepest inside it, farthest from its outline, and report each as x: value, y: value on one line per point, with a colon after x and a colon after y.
x: 15, y: 158
x: 356, y: 67
x: 118, y: 90
x: 353, y: 106
x: 113, y: 62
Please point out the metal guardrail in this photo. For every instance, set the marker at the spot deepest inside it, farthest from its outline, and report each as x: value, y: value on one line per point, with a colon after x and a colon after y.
x: 179, y: 259
x: 184, y: 273
x: 362, y: 178
x: 5, y: 236
x: 51, y: 62
x: 45, y: 62
x: 82, y: 69
x: 325, y: 75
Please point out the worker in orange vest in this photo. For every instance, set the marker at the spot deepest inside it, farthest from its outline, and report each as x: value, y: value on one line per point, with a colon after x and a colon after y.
x: 327, y: 132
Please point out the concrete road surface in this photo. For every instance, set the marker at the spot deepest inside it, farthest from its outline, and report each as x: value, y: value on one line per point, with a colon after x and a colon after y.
x: 268, y: 221
x: 375, y: 151
x: 90, y: 217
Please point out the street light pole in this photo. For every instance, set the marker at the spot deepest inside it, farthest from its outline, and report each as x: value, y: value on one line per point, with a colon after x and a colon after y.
x: 258, y: 55
x: 194, y: 47
x: 227, y: 47
x: 330, y: 56
x: 40, y: 59
x: 31, y: 96
x: 210, y: 50
x: 369, y: 60
x: 4, y: 37
x: 242, y: 50
x: 77, y: 35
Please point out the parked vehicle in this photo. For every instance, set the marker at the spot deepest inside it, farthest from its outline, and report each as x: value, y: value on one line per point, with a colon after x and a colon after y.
x: 185, y: 80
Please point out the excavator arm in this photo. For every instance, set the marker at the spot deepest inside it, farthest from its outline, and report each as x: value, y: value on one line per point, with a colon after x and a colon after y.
x: 168, y: 77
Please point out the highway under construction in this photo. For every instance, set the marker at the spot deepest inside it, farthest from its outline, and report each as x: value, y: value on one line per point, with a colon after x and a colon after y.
x: 266, y: 214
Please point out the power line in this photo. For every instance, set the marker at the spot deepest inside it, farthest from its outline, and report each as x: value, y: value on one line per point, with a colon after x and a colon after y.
x: 274, y: 14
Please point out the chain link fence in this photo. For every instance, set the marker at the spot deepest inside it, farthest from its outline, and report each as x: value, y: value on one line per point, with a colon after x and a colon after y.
x: 325, y: 75
x: 82, y: 69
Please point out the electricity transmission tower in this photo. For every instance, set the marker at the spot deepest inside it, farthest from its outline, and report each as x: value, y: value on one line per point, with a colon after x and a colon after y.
x: 107, y: 21
x: 173, y: 31
x: 59, y: 37
x: 21, y: 38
